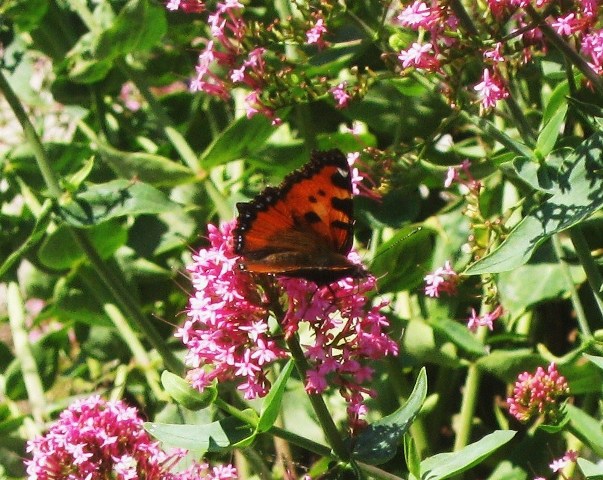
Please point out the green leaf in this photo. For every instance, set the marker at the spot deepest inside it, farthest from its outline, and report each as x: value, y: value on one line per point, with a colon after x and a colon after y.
x: 138, y: 27
x: 146, y: 167
x: 400, y: 263
x: 577, y: 195
x: 411, y: 455
x: 586, y: 428
x: 519, y: 292
x: 34, y: 237
x: 558, y: 98
x: 182, y: 392
x: 446, y: 465
x: 460, y: 335
x: 379, y: 442
x: 60, y: 251
x: 82, y: 65
x: 213, y: 437
x: 507, y: 364
x: 241, y: 138
x: 592, y: 471
x: 548, y: 136
x: 26, y: 14
x: 598, y: 361
x: 74, y: 181
x: 272, y: 403
x: 117, y: 198
x: 423, y: 345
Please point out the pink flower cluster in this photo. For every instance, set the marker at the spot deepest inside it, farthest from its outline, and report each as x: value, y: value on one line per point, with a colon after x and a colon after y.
x: 240, y: 53
x: 502, y: 33
x: 538, y: 394
x: 96, y: 439
x: 486, y: 320
x: 442, y: 280
x: 346, y: 332
x: 226, y: 334
x: 463, y: 176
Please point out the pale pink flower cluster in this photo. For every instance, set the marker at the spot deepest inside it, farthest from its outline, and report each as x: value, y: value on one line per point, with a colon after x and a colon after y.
x: 491, y: 89
x: 346, y: 333
x: 341, y: 96
x: 486, y: 320
x: 188, y: 6
x: 96, y: 439
x: 445, y: 280
x: 463, y: 176
x: 438, y: 29
x: 236, y: 51
x: 226, y: 333
x: 538, y: 394
x: 442, y: 280
x: 568, y: 457
x: 316, y: 34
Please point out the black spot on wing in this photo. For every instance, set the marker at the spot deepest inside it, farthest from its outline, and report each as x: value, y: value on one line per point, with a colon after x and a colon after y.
x: 345, y: 205
x: 312, y: 217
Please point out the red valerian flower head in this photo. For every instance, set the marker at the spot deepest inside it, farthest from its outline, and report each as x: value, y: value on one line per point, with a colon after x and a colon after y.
x: 538, y: 394
x: 96, y: 439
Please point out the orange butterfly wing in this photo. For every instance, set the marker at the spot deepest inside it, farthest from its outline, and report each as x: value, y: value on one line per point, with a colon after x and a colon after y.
x: 303, y: 228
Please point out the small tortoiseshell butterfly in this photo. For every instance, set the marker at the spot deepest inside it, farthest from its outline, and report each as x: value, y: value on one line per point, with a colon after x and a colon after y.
x: 303, y: 228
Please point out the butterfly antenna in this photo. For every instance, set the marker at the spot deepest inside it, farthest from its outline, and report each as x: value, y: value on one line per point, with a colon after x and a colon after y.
x: 404, y: 238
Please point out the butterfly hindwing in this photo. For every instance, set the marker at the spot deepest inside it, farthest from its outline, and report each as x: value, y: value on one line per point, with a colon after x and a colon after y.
x: 305, y: 226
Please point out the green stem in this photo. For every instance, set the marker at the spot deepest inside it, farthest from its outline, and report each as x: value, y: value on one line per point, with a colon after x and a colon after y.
x: 32, y: 138
x: 590, y: 267
x: 522, y: 125
x: 138, y: 351
x: 489, y: 129
x: 464, y: 18
x: 575, y: 298
x: 566, y: 49
x: 324, y: 417
x: 112, y: 282
x: 173, y: 135
x: 470, y: 396
x: 23, y: 351
x: 124, y: 299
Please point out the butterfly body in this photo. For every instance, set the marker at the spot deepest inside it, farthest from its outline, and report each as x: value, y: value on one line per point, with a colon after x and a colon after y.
x: 303, y: 228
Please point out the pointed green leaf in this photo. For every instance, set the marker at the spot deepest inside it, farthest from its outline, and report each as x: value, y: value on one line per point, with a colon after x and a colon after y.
x: 379, y: 442
x: 577, y: 195
x: 138, y: 27
x: 460, y: 335
x: 101, y: 202
x: 598, y: 361
x: 272, y: 402
x: 244, y: 136
x: 592, y: 471
x: 446, y: 465
x: 146, y: 167
x: 586, y: 428
x: 398, y: 262
x: 182, y: 392
x: 60, y: 251
x: 411, y: 455
x: 548, y: 136
x: 213, y: 437
x: 35, y: 236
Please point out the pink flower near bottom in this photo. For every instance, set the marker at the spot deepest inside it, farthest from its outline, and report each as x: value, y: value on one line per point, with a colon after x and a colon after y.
x: 96, y: 439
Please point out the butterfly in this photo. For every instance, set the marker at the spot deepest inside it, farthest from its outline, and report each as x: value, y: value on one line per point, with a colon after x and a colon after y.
x: 303, y: 228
